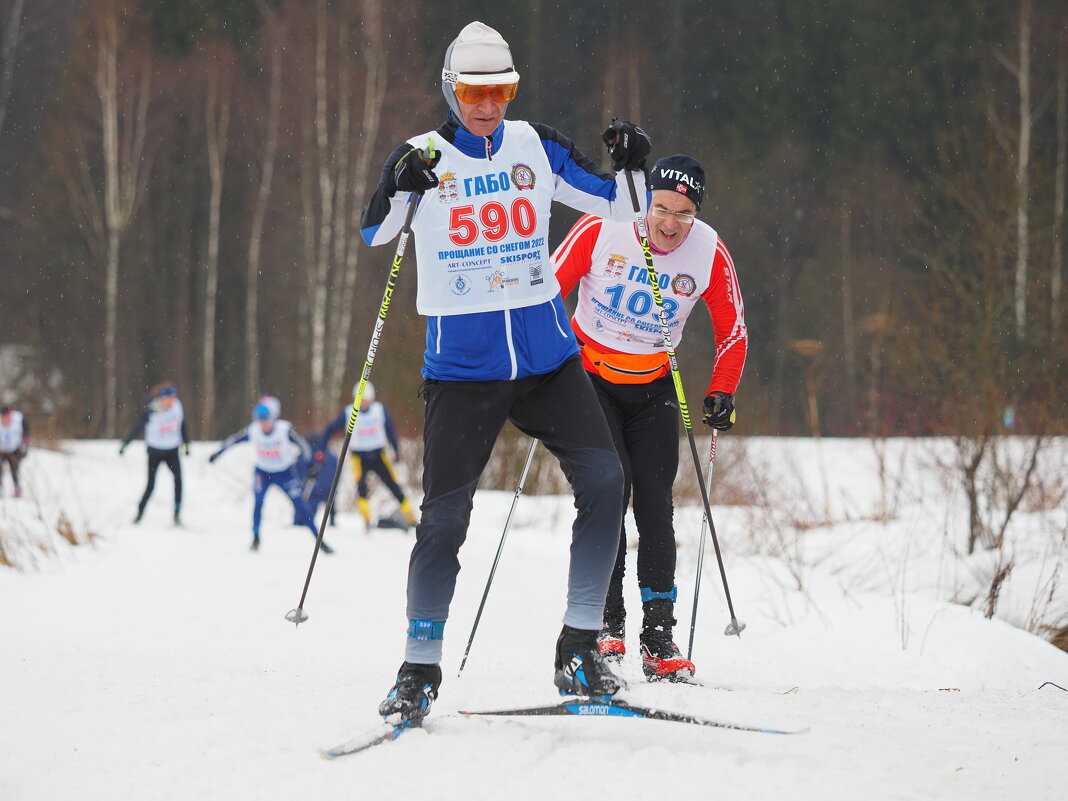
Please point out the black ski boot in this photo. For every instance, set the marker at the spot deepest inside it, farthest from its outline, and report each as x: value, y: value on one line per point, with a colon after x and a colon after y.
x: 580, y: 668
x: 413, y: 693
x: 661, y: 658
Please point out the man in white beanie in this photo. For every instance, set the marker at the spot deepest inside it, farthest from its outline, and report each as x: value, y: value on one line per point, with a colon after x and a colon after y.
x: 498, y: 346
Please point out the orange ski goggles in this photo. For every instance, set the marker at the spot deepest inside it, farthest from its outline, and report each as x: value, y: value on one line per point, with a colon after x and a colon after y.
x: 498, y: 93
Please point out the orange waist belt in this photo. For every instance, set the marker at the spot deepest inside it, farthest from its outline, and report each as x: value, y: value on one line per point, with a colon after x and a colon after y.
x: 625, y: 368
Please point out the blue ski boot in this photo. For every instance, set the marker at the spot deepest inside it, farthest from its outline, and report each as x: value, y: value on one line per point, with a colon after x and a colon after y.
x: 413, y: 693
x: 580, y: 668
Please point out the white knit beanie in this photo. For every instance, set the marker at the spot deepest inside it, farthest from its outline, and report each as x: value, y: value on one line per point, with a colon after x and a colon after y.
x: 479, y: 55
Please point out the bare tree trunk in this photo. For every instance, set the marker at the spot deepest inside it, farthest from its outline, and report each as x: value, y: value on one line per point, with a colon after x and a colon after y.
x: 1057, y: 264
x: 341, y: 223
x: 373, y: 99
x: 8, y: 50
x: 321, y: 270
x: 849, y: 328
x: 123, y: 150
x: 217, y: 119
x: 263, y: 195
x: 1023, y: 78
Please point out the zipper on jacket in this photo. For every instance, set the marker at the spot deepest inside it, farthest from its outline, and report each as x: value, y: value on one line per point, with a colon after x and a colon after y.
x: 489, y: 148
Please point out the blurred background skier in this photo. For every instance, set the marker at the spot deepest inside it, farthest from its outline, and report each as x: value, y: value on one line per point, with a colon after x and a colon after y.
x: 14, y: 444
x: 374, y: 448
x: 163, y: 424
x: 318, y: 476
x: 276, y: 444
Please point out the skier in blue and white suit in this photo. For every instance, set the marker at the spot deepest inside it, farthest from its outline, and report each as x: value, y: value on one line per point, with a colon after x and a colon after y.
x: 277, y: 445
x: 499, y: 347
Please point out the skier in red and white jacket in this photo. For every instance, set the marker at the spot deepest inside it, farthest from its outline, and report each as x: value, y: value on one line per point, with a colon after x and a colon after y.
x: 623, y: 349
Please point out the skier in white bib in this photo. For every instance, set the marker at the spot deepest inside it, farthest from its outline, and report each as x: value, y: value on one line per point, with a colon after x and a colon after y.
x: 617, y: 323
x: 14, y: 444
x: 163, y: 424
x: 374, y: 447
x: 276, y: 444
x: 498, y: 344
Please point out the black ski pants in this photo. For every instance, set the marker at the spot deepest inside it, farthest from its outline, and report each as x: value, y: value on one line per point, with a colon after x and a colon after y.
x: 644, y: 421
x: 168, y: 457
x: 461, y: 425
x: 379, y: 463
x: 12, y: 459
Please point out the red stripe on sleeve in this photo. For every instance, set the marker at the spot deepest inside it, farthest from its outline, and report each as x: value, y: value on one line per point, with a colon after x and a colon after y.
x: 724, y: 301
x: 573, y: 258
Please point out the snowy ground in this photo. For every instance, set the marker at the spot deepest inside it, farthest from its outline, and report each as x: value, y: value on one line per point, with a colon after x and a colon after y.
x: 155, y: 663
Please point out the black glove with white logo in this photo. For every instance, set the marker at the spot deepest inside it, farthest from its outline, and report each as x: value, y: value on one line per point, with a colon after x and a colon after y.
x: 719, y: 410
x: 628, y: 145
x: 414, y: 171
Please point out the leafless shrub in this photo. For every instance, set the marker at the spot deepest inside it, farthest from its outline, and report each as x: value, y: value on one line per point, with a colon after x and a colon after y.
x: 66, y: 530
x: 1058, y: 636
x: 1000, y: 575
x: 731, y: 473
x: 891, y: 482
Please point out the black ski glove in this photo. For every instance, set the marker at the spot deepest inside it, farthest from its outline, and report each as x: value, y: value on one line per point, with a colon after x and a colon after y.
x: 122, y: 450
x: 187, y: 449
x: 719, y: 410
x: 414, y: 171
x: 628, y: 145
x: 213, y: 457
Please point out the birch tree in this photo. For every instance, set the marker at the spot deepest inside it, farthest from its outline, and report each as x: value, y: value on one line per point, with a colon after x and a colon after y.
x: 1023, y: 165
x: 104, y: 205
x: 335, y: 179
x: 275, y: 36
x: 9, y: 42
x: 374, y: 90
x: 217, y: 125
x: 1057, y: 257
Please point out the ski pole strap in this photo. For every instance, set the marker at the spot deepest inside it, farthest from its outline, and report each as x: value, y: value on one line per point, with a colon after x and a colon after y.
x: 426, y: 629
x: 649, y: 595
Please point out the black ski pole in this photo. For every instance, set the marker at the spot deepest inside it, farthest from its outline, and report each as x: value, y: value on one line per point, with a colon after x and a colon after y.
x: 701, y: 548
x: 734, y: 627
x: 298, y: 615
x: 497, y: 558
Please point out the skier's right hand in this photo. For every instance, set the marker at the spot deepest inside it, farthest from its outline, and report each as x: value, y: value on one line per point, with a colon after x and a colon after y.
x: 213, y: 457
x: 122, y: 450
x: 414, y: 171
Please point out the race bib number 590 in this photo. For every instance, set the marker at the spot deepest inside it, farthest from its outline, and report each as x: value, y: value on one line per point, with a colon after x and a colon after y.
x: 492, y: 221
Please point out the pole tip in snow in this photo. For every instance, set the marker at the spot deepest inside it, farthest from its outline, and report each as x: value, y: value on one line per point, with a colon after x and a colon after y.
x: 296, y: 616
x: 734, y: 628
